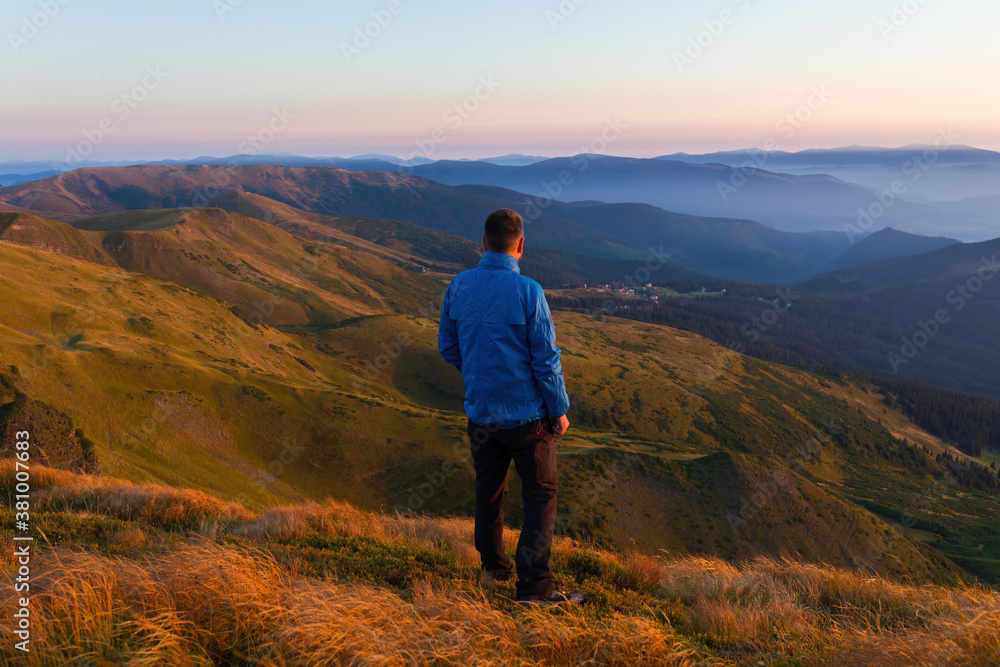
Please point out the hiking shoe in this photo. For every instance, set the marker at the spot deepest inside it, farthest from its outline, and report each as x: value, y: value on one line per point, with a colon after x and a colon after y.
x: 554, y: 598
x: 498, y: 575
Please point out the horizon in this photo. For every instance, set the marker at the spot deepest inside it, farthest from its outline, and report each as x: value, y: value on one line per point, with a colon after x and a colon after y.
x: 689, y: 77
x: 111, y: 161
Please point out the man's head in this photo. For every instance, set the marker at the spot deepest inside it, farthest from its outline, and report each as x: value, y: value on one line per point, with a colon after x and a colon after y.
x: 504, y: 233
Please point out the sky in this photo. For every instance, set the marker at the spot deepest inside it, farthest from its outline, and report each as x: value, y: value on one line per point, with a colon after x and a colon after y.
x: 121, y: 79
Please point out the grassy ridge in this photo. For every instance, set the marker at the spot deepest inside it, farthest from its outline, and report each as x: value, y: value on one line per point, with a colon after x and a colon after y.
x: 268, y: 275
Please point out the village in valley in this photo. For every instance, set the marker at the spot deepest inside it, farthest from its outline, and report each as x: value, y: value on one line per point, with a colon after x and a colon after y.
x: 628, y: 291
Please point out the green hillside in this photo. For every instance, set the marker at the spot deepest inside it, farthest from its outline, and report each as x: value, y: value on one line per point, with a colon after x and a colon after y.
x: 677, y: 443
x: 266, y: 274
x: 420, y: 246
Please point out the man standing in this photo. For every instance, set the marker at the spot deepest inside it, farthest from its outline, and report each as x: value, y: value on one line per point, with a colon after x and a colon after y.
x: 497, y: 330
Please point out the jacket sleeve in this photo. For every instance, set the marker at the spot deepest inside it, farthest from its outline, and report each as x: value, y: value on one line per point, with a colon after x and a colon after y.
x: 545, y: 354
x: 448, y: 334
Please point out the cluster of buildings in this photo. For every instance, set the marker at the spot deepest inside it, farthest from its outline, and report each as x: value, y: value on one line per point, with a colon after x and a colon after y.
x: 624, y: 289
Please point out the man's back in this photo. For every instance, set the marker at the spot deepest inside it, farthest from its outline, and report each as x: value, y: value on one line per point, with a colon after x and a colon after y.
x: 497, y: 329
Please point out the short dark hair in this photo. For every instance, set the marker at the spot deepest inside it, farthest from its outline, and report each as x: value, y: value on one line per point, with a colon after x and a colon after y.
x: 504, y: 228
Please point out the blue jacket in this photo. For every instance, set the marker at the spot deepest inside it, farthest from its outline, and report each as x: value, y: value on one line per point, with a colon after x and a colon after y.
x: 497, y: 329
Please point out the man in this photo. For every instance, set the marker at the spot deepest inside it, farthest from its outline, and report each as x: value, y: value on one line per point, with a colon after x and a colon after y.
x: 497, y: 330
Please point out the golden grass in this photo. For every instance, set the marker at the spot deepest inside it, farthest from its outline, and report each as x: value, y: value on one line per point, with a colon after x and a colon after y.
x: 831, y: 610
x: 448, y: 534
x: 205, y: 602
x: 198, y: 601
x: 56, y: 490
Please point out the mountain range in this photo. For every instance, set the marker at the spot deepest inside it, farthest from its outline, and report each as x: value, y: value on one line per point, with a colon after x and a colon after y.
x: 722, y: 247
x: 855, y: 305
x: 787, y: 202
x: 941, y: 172
x: 937, y: 189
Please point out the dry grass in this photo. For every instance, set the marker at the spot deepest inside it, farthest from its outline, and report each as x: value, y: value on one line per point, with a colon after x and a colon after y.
x: 841, y: 617
x: 58, y: 490
x: 204, y: 599
x: 42, y: 477
x: 205, y: 603
x: 449, y: 534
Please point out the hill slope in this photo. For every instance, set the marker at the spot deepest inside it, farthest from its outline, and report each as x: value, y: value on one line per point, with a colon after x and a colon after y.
x: 939, y: 267
x: 173, y: 387
x: 328, y: 191
x: 421, y: 246
x: 178, y: 577
x: 266, y: 274
x: 887, y: 243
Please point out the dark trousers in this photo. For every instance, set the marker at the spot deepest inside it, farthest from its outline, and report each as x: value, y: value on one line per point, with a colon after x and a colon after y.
x: 532, y: 448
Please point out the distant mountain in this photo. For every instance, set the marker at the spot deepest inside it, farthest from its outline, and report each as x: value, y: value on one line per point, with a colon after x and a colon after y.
x: 939, y: 267
x: 984, y: 211
x: 786, y: 202
x: 15, y: 179
x: 714, y: 246
x: 887, y: 243
x: 741, y: 249
x: 391, y: 159
x: 361, y: 163
x: 990, y: 205
x: 514, y: 160
x: 927, y: 173
x: 806, y: 191
x: 355, y: 162
x: 850, y: 156
x: 22, y: 167
x: 406, y: 245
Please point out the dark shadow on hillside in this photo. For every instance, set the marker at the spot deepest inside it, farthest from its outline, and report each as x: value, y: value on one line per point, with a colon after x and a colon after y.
x: 427, y: 380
